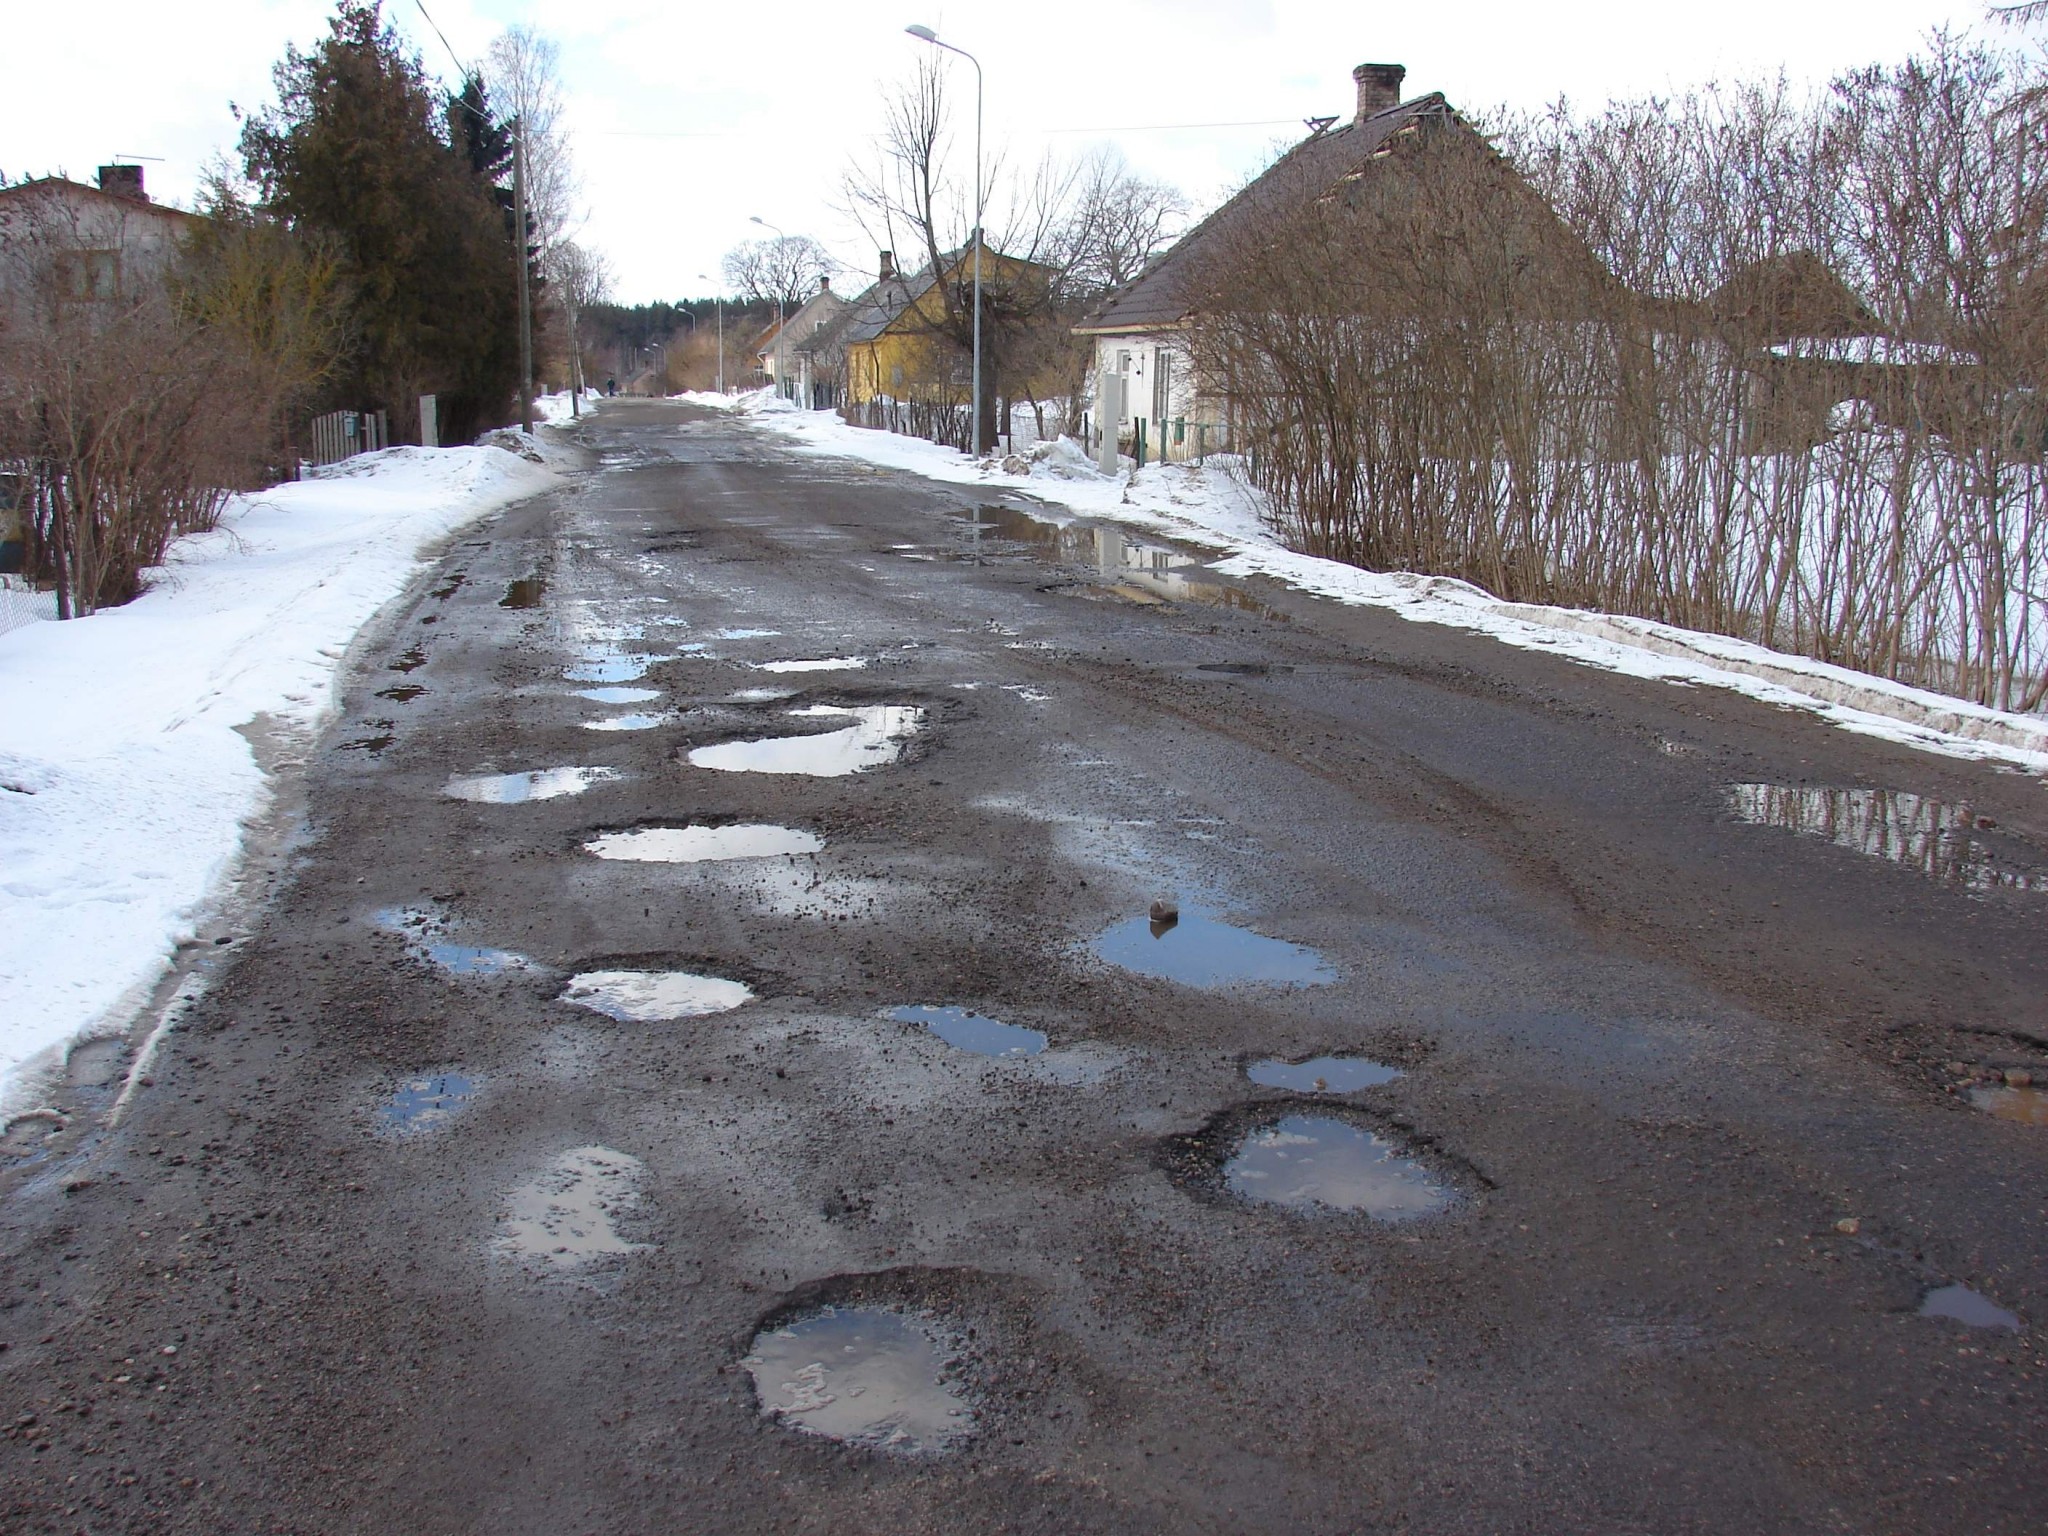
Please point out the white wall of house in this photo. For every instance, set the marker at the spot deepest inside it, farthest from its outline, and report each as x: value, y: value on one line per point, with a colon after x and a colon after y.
x: 1159, y: 389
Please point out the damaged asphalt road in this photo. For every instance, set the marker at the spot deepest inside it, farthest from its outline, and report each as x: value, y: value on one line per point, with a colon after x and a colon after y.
x: 1560, y: 1103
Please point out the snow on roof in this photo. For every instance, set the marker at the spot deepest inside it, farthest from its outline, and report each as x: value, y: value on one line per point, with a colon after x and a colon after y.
x: 1881, y: 351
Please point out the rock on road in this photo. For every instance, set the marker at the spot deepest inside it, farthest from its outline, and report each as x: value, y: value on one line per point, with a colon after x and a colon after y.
x: 518, y: 1154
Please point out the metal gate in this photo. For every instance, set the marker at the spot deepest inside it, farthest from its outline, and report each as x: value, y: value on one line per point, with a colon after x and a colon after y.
x: 343, y: 434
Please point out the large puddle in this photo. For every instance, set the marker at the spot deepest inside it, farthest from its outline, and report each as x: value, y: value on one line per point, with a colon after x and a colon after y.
x: 425, y: 935
x: 609, y: 664
x: 1200, y: 950
x: 648, y: 997
x: 819, y: 664
x: 631, y: 722
x: 694, y: 845
x: 971, y: 1031
x: 1122, y: 564
x: 568, y: 1217
x: 2027, y: 1106
x: 1961, y: 1304
x: 619, y: 695
x: 1317, y: 1162
x: 426, y: 1103
x: 1321, y: 1074
x: 518, y: 788
x: 1926, y: 836
x: 874, y: 740
x: 863, y: 1376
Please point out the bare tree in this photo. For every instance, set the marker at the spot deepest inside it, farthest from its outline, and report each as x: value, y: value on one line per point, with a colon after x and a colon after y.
x: 578, y: 279
x: 524, y: 75
x: 1118, y: 222
x: 785, y: 270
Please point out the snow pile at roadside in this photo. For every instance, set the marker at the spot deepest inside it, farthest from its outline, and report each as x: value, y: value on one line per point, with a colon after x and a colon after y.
x: 124, y: 780
x: 1212, y: 506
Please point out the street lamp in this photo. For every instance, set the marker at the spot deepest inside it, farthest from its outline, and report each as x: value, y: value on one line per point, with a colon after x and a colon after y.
x: 926, y: 34
x: 720, y: 300
x: 779, y: 235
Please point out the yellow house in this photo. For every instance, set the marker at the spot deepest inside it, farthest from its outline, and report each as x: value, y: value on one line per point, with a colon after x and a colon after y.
x: 898, y: 348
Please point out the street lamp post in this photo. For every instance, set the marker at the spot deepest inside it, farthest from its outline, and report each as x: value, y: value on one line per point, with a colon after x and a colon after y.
x: 757, y: 219
x: 926, y: 34
x: 719, y: 299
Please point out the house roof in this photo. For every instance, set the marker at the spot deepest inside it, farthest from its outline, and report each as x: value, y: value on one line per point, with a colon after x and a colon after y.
x: 1794, y: 294
x: 46, y: 185
x: 882, y: 305
x: 1156, y: 299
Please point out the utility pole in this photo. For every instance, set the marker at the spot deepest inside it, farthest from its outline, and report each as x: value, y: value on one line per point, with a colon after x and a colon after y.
x: 525, y: 303
x: 926, y: 34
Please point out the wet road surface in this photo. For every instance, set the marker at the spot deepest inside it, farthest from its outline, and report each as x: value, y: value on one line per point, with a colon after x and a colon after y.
x: 708, y: 1063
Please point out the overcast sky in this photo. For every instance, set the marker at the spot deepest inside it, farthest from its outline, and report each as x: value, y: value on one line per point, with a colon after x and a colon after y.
x: 689, y: 117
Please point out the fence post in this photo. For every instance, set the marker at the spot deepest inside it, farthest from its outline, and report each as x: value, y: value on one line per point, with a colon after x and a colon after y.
x: 430, y: 421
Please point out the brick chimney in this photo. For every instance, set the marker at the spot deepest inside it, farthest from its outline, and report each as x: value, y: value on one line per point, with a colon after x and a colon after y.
x: 1379, y: 87
x: 123, y: 181
x: 824, y: 285
x: 888, y: 266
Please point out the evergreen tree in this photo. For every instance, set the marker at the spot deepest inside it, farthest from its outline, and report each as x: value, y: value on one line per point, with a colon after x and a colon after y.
x: 358, y: 149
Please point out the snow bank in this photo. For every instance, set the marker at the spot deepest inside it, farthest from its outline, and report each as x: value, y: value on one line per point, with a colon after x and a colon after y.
x: 125, y: 783
x: 1212, y: 506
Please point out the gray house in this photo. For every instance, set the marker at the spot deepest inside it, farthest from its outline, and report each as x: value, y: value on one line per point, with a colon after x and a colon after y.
x: 806, y: 357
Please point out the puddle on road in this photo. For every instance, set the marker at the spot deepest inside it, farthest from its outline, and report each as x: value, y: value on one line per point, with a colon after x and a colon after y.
x: 568, y: 1217
x: 875, y: 740
x: 374, y: 745
x: 609, y: 664
x: 425, y: 1103
x: 1321, y: 1074
x: 423, y: 932
x: 632, y: 722
x: 2027, y: 1106
x: 403, y: 693
x: 1144, y: 568
x: 619, y: 695
x: 1198, y: 950
x: 408, y: 660
x: 693, y: 845
x: 1312, y: 1162
x: 1961, y: 1304
x: 820, y: 664
x: 1926, y: 836
x: 744, y: 634
x: 1244, y: 668
x: 652, y: 997
x: 760, y: 695
x: 527, y: 592
x: 863, y: 1376
x: 971, y: 1031
x: 519, y: 788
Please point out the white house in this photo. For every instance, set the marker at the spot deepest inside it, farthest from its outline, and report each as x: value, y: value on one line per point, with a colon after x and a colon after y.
x: 86, y: 244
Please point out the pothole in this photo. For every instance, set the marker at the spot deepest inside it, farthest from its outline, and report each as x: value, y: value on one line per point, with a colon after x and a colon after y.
x: 609, y: 664
x: 743, y: 634
x: 875, y: 739
x: 527, y: 592
x: 619, y: 695
x: 518, y: 788
x: 1319, y: 1162
x: 426, y: 1103
x: 817, y: 664
x: 1961, y: 1304
x: 697, y: 844
x: 425, y: 935
x: 862, y: 1376
x: 632, y: 722
x: 568, y: 1217
x: 1929, y: 837
x: 408, y: 660
x: 2024, y: 1105
x: 1322, y: 1074
x: 648, y: 997
x: 1198, y: 949
x: 402, y: 693
x: 760, y: 695
x: 971, y: 1031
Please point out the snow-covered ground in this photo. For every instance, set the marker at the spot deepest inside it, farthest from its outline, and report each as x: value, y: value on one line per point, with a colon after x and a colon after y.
x: 1211, y: 506
x: 126, y: 783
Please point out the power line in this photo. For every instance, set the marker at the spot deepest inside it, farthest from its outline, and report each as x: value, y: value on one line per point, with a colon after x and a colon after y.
x: 444, y: 38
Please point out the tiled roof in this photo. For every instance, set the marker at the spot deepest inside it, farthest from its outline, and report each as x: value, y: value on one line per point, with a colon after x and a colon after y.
x: 1156, y: 298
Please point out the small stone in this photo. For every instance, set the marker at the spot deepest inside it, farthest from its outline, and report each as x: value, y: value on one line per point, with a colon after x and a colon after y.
x: 1849, y: 1226
x: 170, y: 1349
x: 1165, y: 910
x: 2018, y: 1077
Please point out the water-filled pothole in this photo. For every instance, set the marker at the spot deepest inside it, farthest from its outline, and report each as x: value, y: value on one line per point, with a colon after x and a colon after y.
x: 527, y: 592
x: 629, y: 722
x: 2027, y: 1106
x: 619, y: 695
x: 971, y: 1031
x: 1199, y: 950
x: 425, y: 1103
x: 568, y: 1217
x: 862, y: 1376
x: 817, y: 664
x: 1321, y: 1162
x: 609, y: 664
x: 408, y: 660
x: 1961, y: 1304
x: 1926, y: 836
x: 402, y: 693
x: 1321, y: 1074
x: 425, y: 935
x: 1140, y: 566
x: 696, y: 844
x: 518, y: 788
x: 649, y: 997
x: 875, y: 739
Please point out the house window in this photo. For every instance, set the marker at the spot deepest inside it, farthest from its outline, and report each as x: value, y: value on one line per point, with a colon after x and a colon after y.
x: 1123, y: 362
x: 92, y: 276
x: 896, y: 377
x: 1162, y: 386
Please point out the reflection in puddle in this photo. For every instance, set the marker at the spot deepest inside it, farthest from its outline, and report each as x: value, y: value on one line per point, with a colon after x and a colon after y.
x: 691, y: 845
x: 760, y: 695
x: 608, y: 664
x: 1925, y: 836
x: 1323, y: 1074
x: 648, y: 997
x: 873, y: 741
x: 863, y: 1376
x: 423, y: 933
x: 972, y: 1032
x: 821, y: 664
x: 568, y: 1217
x: 1963, y: 1305
x: 744, y: 634
x: 518, y: 788
x: 403, y: 693
x: 2028, y: 1106
x: 618, y: 695
x: 1307, y: 1161
x: 422, y: 1103
x: 526, y: 592
x: 1141, y: 568
x: 633, y: 722
x: 1199, y: 951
